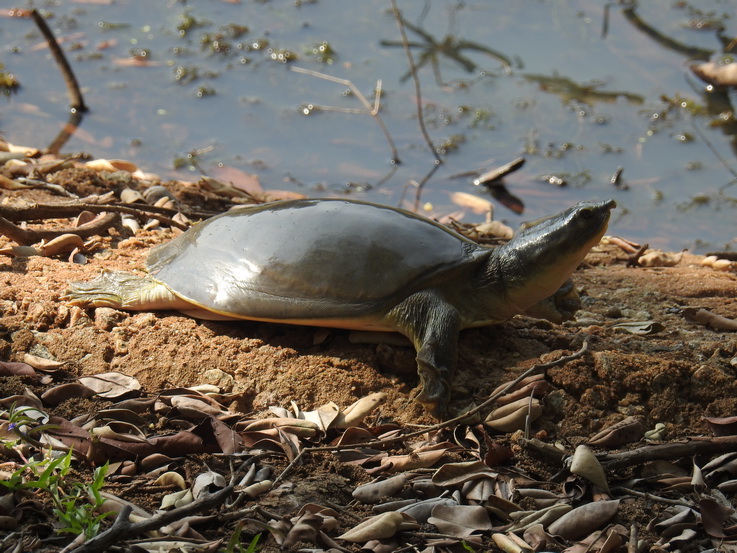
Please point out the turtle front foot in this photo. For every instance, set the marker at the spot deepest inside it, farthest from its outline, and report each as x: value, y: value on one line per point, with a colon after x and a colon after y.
x: 434, y: 389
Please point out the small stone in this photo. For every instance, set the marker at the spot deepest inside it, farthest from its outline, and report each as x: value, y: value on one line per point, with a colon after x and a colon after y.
x: 106, y: 318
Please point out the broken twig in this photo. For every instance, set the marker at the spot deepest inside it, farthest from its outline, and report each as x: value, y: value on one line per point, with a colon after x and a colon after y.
x: 75, y: 94
x: 373, y: 111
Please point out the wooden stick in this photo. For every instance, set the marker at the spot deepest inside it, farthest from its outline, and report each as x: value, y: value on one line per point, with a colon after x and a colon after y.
x: 75, y: 95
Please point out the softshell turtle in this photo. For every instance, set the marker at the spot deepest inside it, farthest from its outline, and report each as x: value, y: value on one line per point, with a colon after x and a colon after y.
x: 357, y: 265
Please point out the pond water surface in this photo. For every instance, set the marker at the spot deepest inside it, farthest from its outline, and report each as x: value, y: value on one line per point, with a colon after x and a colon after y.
x: 582, y: 90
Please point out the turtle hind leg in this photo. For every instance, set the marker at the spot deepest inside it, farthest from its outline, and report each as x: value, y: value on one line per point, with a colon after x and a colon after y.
x: 121, y: 290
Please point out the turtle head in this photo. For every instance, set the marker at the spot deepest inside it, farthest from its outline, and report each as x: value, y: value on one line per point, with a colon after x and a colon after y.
x: 540, y: 258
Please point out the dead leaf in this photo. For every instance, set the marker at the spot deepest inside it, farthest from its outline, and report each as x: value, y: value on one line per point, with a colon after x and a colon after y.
x: 585, y: 464
x: 111, y: 385
x: 623, y: 432
x: 713, y: 517
x: 414, y: 460
x: 460, y: 520
x: 453, y: 474
x: 377, y: 527
x: 641, y: 328
x: 716, y: 73
x: 238, y: 179
x: 375, y: 491
x: 584, y: 519
x: 709, y: 319
x: 42, y: 363
x: 477, y: 204
x: 8, y: 368
x: 54, y: 396
x: 356, y: 412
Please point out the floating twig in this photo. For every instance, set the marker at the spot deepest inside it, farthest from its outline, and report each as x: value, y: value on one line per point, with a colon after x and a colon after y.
x: 373, y: 111
x: 416, y: 80
x: 75, y: 94
x: 489, y: 177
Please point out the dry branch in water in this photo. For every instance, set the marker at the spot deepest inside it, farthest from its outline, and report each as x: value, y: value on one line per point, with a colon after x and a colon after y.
x: 75, y: 94
x: 373, y: 111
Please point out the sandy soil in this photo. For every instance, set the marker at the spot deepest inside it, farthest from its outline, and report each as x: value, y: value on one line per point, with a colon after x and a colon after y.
x: 675, y: 376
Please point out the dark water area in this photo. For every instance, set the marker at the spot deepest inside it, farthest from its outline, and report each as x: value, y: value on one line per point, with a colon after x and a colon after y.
x: 583, y: 91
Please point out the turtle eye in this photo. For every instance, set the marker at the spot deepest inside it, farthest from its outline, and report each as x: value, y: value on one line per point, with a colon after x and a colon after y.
x: 586, y: 213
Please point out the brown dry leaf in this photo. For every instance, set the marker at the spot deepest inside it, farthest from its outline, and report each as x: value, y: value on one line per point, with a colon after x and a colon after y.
x: 194, y: 408
x: 452, y: 474
x: 584, y: 519
x: 478, y: 491
x: 8, y: 368
x: 709, y: 319
x: 227, y: 439
x: 42, y: 363
x: 289, y: 442
x: 238, y: 179
x: 722, y: 426
x: 379, y: 489
x: 361, y: 456
x: 10, y: 184
x: 111, y: 165
x: 532, y: 386
x: 658, y: 258
x: 602, y: 542
x: 378, y: 527
x: 111, y: 385
x: 546, y: 515
x: 585, y: 464
x: 460, y: 520
x: 206, y: 483
x: 477, y: 204
x: 171, y: 478
x: 323, y: 417
x: 356, y: 412
x: 414, y: 460
x: 716, y: 73
x: 713, y: 517
x: 623, y: 432
x: 54, y: 396
x: 640, y: 328
x: 496, y: 453
x: 513, y: 416
x: 500, y: 506
x: 300, y: 427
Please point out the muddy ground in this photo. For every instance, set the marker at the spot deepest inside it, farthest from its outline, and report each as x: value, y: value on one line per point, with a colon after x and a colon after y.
x: 674, y: 376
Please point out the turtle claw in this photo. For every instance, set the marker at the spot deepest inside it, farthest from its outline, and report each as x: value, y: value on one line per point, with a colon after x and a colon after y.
x: 434, y: 389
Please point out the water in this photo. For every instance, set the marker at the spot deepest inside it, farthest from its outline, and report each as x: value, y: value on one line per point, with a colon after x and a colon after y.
x: 499, y: 80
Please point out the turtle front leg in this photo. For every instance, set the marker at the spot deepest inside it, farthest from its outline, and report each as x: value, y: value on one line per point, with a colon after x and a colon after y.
x: 433, y: 326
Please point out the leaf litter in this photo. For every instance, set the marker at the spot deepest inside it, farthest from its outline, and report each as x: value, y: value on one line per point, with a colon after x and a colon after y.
x: 208, y: 431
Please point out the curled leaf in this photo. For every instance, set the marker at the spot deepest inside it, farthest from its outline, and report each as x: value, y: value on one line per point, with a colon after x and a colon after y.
x: 707, y: 318
x: 625, y: 431
x: 585, y: 464
x: 584, y: 520
x: 375, y: 491
x: 460, y: 520
x: 641, y: 328
x: 377, y: 527
x: 513, y: 416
